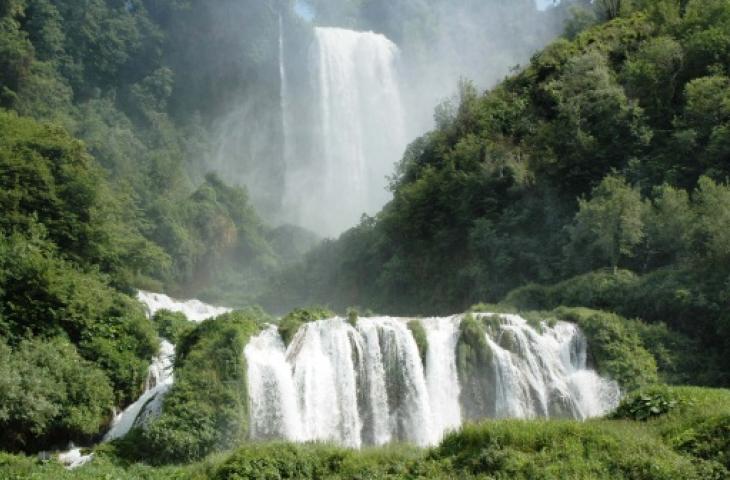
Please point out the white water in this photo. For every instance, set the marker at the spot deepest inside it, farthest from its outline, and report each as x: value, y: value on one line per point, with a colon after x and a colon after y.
x: 360, y: 131
x: 538, y: 373
x: 73, y: 458
x: 441, y: 374
x: 284, y: 106
x: 194, y: 310
x: 160, y: 373
x: 149, y: 405
x: 274, y: 409
x: 366, y: 385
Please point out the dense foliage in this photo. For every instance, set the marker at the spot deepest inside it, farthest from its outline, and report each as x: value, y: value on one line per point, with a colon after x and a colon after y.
x: 172, y: 326
x: 608, y: 151
x: 48, y: 393
x: 65, y: 326
x: 689, y: 441
x: 594, y: 178
x: 207, y: 408
x: 103, y: 126
x: 142, y: 85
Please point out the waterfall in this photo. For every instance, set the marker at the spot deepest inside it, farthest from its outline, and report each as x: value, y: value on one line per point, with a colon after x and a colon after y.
x: 359, y: 131
x: 149, y: 405
x: 542, y: 371
x: 274, y: 410
x: 194, y: 310
x: 366, y: 384
x: 441, y: 374
x: 283, y: 105
x: 159, y: 374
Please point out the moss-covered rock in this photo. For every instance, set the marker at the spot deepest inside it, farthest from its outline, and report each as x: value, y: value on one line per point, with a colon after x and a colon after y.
x: 419, y: 335
x: 289, y: 325
x: 474, y: 365
x: 352, y: 315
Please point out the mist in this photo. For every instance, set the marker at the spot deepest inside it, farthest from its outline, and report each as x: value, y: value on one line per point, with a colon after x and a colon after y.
x: 344, y: 86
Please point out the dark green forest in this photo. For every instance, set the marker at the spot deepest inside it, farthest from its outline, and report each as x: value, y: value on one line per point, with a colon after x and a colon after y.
x: 592, y: 183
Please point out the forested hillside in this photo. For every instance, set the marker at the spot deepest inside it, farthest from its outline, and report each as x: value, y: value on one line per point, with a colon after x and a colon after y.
x: 609, y: 153
x: 140, y: 83
x: 589, y: 190
x: 102, y: 191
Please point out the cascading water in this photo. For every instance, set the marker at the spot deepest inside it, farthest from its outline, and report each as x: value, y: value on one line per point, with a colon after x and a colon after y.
x: 194, y: 310
x: 544, y: 373
x: 442, y: 376
x: 359, y: 131
x: 149, y: 405
x: 274, y: 409
x: 283, y: 99
x: 160, y: 374
x: 366, y: 384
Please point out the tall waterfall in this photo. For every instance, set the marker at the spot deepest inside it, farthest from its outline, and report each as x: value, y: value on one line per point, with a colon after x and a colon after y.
x: 359, y: 131
x: 284, y: 98
x: 367, y: 384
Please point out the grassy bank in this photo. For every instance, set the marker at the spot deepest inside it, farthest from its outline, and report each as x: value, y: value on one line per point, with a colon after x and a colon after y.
x: 688, y: 439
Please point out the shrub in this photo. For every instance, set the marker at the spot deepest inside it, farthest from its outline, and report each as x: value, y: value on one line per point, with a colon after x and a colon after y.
x: 710, y: 440
x: 42, y: 294
x: 172, y: 326
x: 646, y: 404
x: 49, y: 395
x: 207, y: 408
x: 600, y: 290
x: 553, y: 450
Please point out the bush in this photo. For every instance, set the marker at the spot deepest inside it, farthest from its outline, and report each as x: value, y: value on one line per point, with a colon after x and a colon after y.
x: 601, y: 290
x: 44, y: 295
x: 172, y: 326
x: 558, y: 449
x: 710, y: 440
x: 49, y: 395
x: 646, y: 404
x: 207, y: 408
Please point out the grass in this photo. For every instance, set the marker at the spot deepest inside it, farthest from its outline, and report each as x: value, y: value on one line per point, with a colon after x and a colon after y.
x: 691, y: 441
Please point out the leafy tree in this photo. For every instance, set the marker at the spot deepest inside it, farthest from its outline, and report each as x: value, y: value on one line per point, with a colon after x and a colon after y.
x: 611, y: 222
x: 49, y: 395
x: 651, y: 76
x: 669, y: 226
x: 713, y: 225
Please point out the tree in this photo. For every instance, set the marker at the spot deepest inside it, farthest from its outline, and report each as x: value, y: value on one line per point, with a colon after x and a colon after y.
x: 669, y: 226
x: 712, y: 204
x: 611, y: 221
